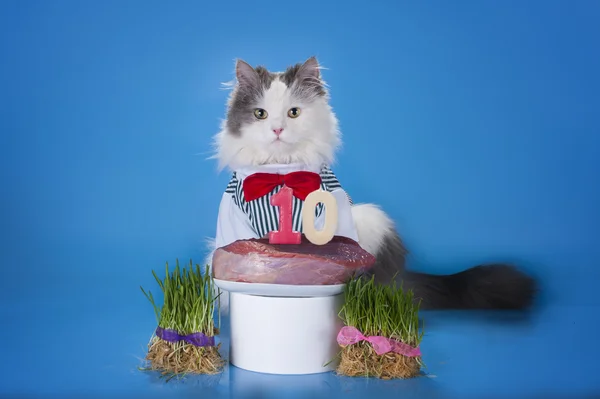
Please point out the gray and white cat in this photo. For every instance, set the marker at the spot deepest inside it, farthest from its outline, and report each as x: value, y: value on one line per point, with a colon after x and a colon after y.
x: 283, y: 118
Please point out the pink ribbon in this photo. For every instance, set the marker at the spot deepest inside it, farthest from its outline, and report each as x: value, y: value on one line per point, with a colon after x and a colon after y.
x: 350, y: 335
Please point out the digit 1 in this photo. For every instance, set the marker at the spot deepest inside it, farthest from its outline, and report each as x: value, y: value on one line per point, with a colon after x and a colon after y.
x: 319, y: 237
x: 285, y: 235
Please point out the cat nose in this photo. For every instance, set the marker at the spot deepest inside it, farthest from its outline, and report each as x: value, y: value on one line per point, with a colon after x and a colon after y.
x: 278, y: 131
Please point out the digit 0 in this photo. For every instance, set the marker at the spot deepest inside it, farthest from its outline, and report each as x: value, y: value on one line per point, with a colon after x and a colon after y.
x: 323, y: 236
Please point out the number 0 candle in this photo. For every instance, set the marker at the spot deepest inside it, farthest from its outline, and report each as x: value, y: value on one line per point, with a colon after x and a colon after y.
x: 323, y: 236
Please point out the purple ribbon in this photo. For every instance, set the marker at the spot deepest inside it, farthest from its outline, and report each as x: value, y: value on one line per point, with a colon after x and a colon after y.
x: 196, y: 339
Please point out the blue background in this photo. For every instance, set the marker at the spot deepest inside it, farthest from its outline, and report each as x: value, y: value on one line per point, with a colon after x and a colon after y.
x: 482, y: 115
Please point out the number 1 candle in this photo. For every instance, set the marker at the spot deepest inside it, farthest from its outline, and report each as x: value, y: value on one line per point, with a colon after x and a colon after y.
x: 285, y: 235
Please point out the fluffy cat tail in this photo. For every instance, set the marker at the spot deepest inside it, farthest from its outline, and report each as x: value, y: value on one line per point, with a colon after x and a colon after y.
x: 493, y: 286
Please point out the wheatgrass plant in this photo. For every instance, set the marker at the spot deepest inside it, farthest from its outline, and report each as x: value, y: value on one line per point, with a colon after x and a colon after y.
x: 387, y: 310
x: 188, y: 307
x: 380, y: 310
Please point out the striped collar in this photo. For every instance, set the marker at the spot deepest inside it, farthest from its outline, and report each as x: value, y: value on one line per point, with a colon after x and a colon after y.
x: 242, y: 173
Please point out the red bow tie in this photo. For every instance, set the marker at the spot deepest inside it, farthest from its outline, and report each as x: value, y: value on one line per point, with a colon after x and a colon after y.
x: 302, y: 184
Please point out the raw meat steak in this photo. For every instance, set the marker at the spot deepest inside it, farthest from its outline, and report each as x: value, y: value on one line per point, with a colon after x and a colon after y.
x: 257, y: 261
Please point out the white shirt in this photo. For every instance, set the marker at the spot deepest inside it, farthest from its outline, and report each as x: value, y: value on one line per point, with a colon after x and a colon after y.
x: 240, y: 220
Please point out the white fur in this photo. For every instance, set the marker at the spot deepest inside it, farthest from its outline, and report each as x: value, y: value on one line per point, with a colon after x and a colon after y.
x: 372, y: 225
x: 224, y: 298
x: 210, y: 246
x: 312, y: 138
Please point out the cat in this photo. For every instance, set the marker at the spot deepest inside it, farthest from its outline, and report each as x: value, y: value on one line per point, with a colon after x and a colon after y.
x: 275, y: 119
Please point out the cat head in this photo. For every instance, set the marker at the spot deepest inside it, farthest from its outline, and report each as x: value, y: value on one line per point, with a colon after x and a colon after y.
x: 278, y: 118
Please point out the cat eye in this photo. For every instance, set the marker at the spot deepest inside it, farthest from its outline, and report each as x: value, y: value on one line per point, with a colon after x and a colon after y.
x: 260, y: 113
x: 294, y: 112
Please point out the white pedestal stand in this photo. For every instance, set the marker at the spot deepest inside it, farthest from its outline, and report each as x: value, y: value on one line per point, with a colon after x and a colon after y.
x: 284, y: 334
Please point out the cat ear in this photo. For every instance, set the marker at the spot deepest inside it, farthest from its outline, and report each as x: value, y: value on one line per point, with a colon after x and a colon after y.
x: 310, y: 69
x: 245, y: 74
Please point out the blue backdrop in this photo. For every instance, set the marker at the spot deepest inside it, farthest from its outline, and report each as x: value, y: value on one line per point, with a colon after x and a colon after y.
x: 483, y: 115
